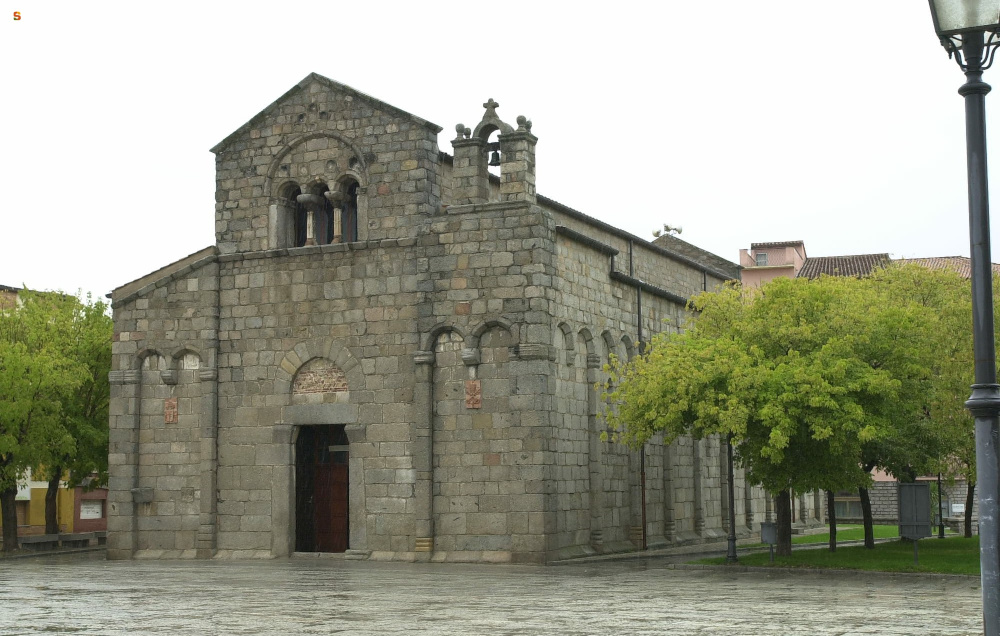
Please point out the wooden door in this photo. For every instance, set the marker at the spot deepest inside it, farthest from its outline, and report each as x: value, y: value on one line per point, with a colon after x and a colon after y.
x: 331, y: 514
x: 322, y: 490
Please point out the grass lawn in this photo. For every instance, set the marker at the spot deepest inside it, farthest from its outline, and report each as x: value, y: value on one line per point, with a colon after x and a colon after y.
x: 849, y: 533
x: 954, y: 555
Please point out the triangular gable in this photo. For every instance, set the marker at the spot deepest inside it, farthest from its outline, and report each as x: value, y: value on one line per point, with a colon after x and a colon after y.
x: 329, y: 83
x: 165, y: 274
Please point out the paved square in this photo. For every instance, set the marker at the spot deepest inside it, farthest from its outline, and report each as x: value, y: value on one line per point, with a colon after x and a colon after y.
x: 326, y: 596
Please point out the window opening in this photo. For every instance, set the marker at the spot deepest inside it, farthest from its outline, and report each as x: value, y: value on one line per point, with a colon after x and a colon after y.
x: 324, y: 221
x: 761, y: 259
x: 299, y: 220
x: 349, y: 220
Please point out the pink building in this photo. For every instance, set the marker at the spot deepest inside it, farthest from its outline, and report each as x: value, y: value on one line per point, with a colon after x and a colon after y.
x: 767, y: 261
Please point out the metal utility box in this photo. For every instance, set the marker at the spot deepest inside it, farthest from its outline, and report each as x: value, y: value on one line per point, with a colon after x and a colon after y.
x: 769, y: 533
x: 915, y: 510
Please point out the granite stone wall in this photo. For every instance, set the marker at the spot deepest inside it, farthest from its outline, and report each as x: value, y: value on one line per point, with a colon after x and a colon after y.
x: 458, y: 341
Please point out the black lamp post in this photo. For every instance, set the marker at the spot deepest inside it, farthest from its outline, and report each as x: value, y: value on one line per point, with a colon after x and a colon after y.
x: 940, y: 508
x: 968, y: 31
x: 731, y: 539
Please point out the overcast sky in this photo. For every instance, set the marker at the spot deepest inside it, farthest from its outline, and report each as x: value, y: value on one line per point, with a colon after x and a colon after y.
x: 836, y: 123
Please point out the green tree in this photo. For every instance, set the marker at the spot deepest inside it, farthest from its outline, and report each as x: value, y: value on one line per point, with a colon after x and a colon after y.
x: 917, y: 446
x: 84, y: 409
x: 35, y: 373
x: 804, y: 375
x: 954, y: 376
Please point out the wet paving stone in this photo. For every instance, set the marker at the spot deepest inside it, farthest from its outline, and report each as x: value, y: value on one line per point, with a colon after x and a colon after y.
x: 329, y: 596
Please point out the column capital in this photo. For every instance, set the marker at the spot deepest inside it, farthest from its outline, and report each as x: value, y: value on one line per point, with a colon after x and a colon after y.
x: 128, y: 376
x: 423, y: 357
x: 335, y: 197
x: 311, y: 202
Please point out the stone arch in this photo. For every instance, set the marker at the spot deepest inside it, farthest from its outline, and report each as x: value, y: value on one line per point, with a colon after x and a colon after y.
x: 496, y: 322
x: 350, y: 174
x: 452, y: 434
x: 430, y: 338
x: 287, y: 217
x: 489, y: 125
x: 587, y: 340
x: 286, y: 191
x: 185, y: 353
x: 139, y: 361
x: 610, y: 346
x: 351, y: 209
x: 629, y: 346
x: 565, y: 332
x: 493, y: 342
x: 332, y: 409
x: 359, y: 167
x: 328, y: 348
x: 319, y: 379
x: 315, y: 185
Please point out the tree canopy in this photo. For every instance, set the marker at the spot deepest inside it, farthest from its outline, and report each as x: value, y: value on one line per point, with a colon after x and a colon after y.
x: 816, y: 380
x: 54, y: 360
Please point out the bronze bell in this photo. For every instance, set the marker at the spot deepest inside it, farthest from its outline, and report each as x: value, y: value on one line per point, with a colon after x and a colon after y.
x: 495, y: 158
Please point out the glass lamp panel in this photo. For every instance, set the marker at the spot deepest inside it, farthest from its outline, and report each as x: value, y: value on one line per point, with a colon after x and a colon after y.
x: 955, y: 16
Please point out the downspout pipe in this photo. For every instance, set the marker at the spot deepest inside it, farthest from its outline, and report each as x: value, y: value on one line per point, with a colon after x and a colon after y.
x: 642, y: 349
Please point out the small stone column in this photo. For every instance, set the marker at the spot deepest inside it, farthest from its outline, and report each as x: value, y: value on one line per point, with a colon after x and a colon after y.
x: 313, y: 203
x: 206, y: 537
x: 336, y: 199
x: 595, y: 468
x: 423, y: 454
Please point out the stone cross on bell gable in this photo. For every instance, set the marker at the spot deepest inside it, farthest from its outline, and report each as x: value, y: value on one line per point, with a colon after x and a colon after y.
x: 491, y: 109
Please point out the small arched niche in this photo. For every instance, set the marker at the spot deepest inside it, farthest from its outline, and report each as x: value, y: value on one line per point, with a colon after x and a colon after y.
x: 345, y: 212
x: 291, y: 227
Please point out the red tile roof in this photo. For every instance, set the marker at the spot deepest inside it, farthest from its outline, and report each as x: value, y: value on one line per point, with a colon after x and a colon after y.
x: 857, y: 265
x: 960, y: 264
x: 764, y: 246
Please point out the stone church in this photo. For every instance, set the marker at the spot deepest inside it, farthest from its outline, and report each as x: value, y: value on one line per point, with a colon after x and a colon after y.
x: 391, y: 352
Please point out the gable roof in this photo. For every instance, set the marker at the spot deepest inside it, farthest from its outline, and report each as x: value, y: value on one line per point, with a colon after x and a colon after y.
x: 960, y: 264
x: 857, y: 265
x: 702, y: 257
x: 329, y: 83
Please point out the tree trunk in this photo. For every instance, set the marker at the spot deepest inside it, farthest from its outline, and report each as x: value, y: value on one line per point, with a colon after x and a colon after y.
x: 51, y: 495
x: 866, y: 511
x: 8, y: 516
x: 831, y: 515
x: 970, y: 499
x: 783, y: 510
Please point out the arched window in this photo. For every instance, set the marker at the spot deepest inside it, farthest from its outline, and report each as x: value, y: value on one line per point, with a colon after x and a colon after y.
x: 324, y: 220
x: 299, y: 221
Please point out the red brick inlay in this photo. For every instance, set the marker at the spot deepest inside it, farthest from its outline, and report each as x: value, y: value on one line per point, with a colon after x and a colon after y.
x: 473, y: 394
x: 170, y: 410
x: 319, y: 376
